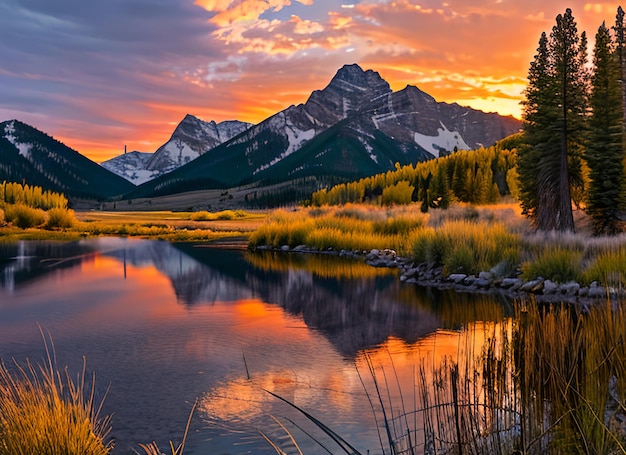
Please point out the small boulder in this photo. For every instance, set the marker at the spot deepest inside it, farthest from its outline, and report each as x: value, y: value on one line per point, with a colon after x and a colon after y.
x: 550, y: 287
x: 457, y: 277
x: 485, y: 276
x: 511, y: 283
x: 532, y: 285
x: 570, y: 288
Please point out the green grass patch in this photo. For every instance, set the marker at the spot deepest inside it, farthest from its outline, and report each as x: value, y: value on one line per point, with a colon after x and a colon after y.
x: 558, y: 263
x: 608, y: 268
x: 467, y: 247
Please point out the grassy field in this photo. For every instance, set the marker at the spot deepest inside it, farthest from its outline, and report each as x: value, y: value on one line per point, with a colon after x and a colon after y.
x: 166, y: 225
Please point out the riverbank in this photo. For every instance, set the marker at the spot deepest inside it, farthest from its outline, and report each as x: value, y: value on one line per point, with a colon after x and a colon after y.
x: 486, y: 249
x: 511, y: 286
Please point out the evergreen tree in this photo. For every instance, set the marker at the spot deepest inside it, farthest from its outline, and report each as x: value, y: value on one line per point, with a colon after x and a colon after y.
x: 555, y: 110
x: 604, y: 152
x: 537, y: 113
x: 620, y: 50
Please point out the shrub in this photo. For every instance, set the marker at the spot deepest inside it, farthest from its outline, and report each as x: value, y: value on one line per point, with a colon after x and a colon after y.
x: 60, y: 218
x: 226, y: 215
x: 201, y: 216
x: 24, y: 217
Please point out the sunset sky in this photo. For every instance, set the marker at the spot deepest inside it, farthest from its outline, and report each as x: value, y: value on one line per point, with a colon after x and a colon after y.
x: 100, y: 74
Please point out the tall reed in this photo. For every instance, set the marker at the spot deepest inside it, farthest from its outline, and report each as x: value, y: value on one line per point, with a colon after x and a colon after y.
x: 44, y: 411
x: 552, y: 380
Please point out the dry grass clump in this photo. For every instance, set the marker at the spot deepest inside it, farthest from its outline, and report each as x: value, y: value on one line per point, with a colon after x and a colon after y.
x: 466, y: 246
x: 608, y: 267
x: 557, y: 263
x: 204, y: 215
x: 44, y: 412
x: 349, y: 228
x: 507, y: 214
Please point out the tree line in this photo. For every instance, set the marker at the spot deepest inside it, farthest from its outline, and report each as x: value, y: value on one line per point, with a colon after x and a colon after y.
x: 31, y: 196
x: 477, y: 177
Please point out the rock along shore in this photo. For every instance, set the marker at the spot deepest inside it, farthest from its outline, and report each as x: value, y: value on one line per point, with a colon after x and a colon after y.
x: 489, y: 282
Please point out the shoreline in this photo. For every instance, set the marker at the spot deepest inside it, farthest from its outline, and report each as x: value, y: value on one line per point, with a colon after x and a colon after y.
x: 486, y: 282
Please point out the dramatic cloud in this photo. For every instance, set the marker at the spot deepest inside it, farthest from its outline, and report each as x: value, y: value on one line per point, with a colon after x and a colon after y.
x: 101, y: 74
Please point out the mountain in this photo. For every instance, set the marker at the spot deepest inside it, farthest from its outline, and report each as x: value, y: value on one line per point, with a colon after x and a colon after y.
x: 355, y: 127
x: 191, y: 138
x: 131, y: 166
x: 30, y: 156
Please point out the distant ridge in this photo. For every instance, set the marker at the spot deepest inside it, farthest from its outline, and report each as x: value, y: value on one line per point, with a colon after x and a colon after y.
x: 30, y: 156
x: 191, y: 138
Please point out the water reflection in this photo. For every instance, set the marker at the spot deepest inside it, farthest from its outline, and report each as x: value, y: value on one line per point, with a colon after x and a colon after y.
x: 165, y: 324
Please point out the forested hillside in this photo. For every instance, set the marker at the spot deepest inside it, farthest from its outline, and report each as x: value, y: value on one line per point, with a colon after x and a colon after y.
x: 478, y: 177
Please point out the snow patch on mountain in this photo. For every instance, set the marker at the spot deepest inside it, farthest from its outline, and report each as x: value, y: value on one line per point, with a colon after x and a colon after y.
x: 295, y: 137
x: 131, y: 166
x: 23, y: 149
x: 445, y: 140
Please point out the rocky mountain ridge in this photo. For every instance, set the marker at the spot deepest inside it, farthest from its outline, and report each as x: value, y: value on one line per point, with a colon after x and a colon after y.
x: 355, y: 127
x: 191, y: 138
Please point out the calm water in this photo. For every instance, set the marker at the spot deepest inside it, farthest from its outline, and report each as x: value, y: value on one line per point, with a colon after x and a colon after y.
x: 162, y: 325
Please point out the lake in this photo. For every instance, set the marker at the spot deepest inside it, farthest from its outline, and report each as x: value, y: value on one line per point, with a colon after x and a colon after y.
x: 163, y: 325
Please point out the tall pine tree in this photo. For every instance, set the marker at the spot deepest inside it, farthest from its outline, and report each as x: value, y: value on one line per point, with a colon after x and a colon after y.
x: 555, y: 110
x: 604, y: 152
x: 537, y: 113
x: 620, y: 50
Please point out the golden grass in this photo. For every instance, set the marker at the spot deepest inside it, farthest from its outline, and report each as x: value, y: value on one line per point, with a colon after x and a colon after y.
x: 467, y: 246
x: 609, y: 267
x: 172, y: 226
x: 350, y: 227
x: 559, y: 264
x: 463, y: 238
x: 44, y: 412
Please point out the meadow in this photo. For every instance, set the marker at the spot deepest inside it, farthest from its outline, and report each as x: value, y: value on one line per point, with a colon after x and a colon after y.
x: 20, y: 222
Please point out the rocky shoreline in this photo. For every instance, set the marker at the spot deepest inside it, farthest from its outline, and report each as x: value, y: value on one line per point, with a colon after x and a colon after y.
x: 489, y: 282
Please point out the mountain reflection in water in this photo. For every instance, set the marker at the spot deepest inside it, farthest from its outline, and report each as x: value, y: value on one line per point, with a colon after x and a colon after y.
x: 167, y: 323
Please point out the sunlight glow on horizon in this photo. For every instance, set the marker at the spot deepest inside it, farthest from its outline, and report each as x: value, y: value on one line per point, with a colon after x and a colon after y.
x: 248, y: 60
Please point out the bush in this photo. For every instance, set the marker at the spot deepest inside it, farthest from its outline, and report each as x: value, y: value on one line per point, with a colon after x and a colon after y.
x: 60, y: 218
x: 24, y: 217
x: 201, y: 216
